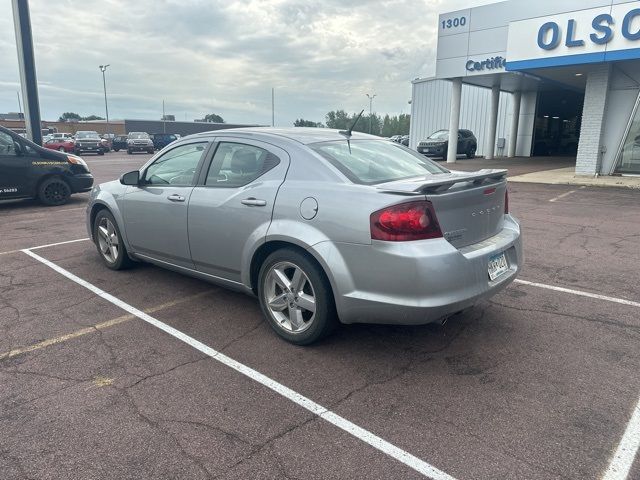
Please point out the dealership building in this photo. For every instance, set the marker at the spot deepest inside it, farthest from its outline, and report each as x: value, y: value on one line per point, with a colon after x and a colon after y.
x: 538, y: 78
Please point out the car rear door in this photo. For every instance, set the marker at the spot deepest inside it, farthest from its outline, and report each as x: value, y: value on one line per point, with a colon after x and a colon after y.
x: 155, y: 212
x: 230, y: 210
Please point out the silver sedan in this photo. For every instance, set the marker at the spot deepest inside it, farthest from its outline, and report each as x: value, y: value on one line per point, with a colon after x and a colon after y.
x: 322, y: 226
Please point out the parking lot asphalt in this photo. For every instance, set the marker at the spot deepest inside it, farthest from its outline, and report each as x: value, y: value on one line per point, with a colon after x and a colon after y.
x: 533, y: 384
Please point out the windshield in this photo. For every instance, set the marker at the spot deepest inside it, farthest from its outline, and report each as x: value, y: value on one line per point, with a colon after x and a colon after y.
x: 80, y: 135
x: 137, y: 136
x: 375, y: 161
x: 440, y: 135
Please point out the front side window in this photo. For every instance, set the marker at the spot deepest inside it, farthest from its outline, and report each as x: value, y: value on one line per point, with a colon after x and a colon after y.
x: 7, y: 145
x: 370, y: 162
x: 237, y: 164
x: 177, y: 167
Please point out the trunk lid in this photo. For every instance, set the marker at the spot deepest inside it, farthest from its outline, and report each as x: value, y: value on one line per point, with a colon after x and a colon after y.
x: 469, y: 205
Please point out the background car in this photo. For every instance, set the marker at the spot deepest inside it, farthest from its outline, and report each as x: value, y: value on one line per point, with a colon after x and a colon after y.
x: 88, y: 141
x: 437, y: 144
x: 404, y: 140
x: 139, y: 142
x: 161, y: 140
x: 61, y: 144
x: 265, y: 211
x: 119, y: 142
x: 31, y: 171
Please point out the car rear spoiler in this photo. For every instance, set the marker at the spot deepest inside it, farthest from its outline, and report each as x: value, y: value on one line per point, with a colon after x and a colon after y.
x: 441, y: 183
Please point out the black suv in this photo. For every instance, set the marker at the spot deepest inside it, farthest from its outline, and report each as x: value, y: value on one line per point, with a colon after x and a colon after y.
x: 89, y: 141
x: 438, y: 143
x: 30, y: 171
x: 161, y: 140
x: 119, y: 142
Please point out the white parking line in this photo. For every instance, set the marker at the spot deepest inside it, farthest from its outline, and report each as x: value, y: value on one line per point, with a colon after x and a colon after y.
x: 555, y: 199
x: 626, y: 452
x: 56, y: 244
x: 580, y: 293
x: 360, y: 433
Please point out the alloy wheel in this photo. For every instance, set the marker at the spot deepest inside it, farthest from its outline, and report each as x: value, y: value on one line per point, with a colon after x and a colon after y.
x: 290, y: 297
x: 108, y: 240
x: 56, y: 192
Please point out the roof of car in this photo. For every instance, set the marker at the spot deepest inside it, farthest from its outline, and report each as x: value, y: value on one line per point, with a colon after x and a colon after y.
x: 305, y: 135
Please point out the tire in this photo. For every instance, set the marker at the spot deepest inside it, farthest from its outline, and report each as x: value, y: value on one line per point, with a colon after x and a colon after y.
x: 100, y: 152
x: 151, y: 150
x: 54, y: 191
x: 61, y: 149
x: 116, y: 149
x: 471, y: 153
x: 109, y: 243
x: 278, y: 300
x: 129, y: 152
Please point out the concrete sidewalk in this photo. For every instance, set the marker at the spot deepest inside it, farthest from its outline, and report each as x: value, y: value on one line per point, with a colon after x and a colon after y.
x: 567, y: 176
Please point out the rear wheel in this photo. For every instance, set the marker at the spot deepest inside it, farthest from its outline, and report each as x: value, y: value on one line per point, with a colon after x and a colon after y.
x: 296, y: 298
x: 108, y: 239
x: 54, y: 191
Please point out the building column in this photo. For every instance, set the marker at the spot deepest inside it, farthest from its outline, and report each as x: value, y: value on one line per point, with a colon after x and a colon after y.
x: 513, y: 136
x: 493, y: 123
x: 454, y: 120
x: 595, y: 103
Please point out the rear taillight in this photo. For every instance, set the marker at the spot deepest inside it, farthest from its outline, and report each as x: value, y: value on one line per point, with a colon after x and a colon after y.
x: 405, y: 222
x: 506, y: 201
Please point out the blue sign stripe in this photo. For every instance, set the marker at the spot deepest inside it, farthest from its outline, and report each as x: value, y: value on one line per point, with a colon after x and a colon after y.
x: 580, y: 59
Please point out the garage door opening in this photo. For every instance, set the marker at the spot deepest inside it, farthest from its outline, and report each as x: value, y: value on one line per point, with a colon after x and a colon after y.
x: 558, y: 122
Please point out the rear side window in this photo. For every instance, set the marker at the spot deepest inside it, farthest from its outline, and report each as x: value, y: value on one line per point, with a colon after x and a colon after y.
x: 370, y: 162
x: 237, y: 164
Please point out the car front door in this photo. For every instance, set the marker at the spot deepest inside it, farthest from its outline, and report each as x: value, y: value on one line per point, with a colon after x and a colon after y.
x: 15, y: 165
x: 155, y: 212
x: 230, y: 209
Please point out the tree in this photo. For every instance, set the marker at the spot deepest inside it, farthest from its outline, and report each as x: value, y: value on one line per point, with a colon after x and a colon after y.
x: 92, y: 117
x: 306, y: 123
x: 213, y: 118
x: 385, y: 126
x: 69, y: 117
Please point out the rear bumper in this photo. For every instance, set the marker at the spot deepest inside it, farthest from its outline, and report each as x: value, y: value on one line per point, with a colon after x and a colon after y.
x: 413, y: 283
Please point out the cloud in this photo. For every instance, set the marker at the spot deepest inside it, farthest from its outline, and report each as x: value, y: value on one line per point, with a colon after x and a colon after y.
x: 204, y: 56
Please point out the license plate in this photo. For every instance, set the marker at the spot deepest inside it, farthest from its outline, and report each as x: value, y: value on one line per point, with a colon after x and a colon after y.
x: 498, y: 266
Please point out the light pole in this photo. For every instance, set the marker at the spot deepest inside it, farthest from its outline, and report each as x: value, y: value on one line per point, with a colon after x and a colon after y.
x: 103, y: 68
x: 370, y: 97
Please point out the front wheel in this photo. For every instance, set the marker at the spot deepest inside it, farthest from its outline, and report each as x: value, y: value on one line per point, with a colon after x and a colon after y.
x: 54, y: 191
x: 296, y: 297
x: 471, y: 153
x: 108, y: 240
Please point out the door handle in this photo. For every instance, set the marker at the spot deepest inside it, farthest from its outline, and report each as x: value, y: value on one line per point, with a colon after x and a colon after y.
x: 176, y: 198
x: 254, y: 202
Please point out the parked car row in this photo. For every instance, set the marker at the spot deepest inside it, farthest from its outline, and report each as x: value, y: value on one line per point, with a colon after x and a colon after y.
x: 91, y: 142
x: 401, y: 139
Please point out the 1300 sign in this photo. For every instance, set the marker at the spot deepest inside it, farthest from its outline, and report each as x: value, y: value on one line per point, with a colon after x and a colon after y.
x: 454, y: 22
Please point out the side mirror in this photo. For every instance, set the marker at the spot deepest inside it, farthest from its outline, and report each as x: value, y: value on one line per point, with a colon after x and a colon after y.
x: 17, y: 148
x: 130, y: 178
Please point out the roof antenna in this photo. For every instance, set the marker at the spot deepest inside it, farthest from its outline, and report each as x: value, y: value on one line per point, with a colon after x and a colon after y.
x: 347, y: 133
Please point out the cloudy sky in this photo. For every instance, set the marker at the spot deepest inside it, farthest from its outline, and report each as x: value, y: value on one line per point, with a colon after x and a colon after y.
x: 224, y: 56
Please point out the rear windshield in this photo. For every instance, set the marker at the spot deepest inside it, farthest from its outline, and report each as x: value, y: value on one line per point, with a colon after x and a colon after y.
x: 376, y: 161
